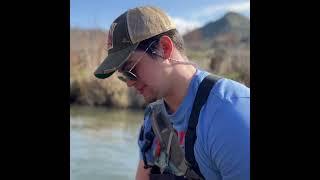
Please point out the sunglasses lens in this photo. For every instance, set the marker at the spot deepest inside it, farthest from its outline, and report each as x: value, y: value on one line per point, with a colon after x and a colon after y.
x: 130, y: 76
x: 125, y: 76
x: 122, y: 78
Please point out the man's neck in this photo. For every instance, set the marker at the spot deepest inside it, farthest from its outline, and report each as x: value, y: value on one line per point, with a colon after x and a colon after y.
x: 180, y: 82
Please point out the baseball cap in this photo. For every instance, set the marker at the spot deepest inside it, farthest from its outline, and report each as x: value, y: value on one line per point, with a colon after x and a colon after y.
x: 125, y: 33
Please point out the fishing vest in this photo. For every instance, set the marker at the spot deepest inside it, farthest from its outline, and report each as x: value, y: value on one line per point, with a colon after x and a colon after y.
x: 173, y: 163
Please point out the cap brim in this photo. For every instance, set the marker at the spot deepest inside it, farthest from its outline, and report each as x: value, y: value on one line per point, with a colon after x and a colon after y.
x: 113, y: 61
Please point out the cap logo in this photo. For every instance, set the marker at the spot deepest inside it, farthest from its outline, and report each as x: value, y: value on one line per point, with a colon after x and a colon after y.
x: 110, y: 36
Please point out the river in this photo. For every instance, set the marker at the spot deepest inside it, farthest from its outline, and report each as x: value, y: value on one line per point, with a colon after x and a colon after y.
x: 103, y: 143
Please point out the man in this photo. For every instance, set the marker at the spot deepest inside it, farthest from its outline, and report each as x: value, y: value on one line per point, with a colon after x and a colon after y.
x: 147, y: 53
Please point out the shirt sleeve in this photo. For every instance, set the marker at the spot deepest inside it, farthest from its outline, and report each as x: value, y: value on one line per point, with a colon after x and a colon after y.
x: 229, y: 140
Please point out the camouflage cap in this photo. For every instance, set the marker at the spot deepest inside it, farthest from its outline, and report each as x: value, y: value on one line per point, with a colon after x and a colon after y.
x: 125, y: 33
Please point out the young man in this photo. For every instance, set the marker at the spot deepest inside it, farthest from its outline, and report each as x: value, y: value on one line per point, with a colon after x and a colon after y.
x: 147, y: 53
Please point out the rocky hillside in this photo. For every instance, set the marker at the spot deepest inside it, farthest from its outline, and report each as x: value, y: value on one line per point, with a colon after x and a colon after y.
x: 230, y: 30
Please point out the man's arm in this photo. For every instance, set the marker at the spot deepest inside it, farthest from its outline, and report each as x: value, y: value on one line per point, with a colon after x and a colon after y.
x: 142, y: 173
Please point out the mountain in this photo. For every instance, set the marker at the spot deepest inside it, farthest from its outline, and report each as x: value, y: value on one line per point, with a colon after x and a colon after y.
x: 231, y: 29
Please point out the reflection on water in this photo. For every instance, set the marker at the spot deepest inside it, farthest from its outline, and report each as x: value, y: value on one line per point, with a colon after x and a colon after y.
x: 103, y: 143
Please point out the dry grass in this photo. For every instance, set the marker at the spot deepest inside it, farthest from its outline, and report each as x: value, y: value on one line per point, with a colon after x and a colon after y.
x: 87, y: 51
x: 233, y: 63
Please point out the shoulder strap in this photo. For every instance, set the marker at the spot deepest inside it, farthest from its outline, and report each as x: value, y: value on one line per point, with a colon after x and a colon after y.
x: 171, y: 154
x: 190, y: 138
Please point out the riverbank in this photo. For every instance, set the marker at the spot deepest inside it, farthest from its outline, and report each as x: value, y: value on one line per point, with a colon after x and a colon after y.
x: 87, y: 50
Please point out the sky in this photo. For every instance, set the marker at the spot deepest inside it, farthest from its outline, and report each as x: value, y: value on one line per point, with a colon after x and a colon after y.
x: 187, y: 14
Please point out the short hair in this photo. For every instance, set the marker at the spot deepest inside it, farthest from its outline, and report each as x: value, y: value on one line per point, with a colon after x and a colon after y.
x: 174, y: 36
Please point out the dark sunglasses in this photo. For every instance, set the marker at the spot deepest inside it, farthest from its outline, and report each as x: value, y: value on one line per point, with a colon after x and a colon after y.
x: 129, y: 75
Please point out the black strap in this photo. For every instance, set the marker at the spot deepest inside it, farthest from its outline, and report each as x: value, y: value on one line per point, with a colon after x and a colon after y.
x: 190, y: 138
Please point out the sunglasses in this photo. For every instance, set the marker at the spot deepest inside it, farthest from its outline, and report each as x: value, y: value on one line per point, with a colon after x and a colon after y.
x: 126, y: 75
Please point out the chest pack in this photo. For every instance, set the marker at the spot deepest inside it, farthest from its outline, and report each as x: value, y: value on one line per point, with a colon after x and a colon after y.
x: 173, y: 163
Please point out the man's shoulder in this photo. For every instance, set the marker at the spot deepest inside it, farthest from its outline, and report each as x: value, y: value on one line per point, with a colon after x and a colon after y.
x: 224, y: 88
x: 225, y: 95
x: 228, y: 90
x: 228, y: 96
x: 227, y: 99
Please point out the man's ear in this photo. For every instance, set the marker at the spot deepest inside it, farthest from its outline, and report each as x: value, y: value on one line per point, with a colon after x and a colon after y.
x: 166, y: 45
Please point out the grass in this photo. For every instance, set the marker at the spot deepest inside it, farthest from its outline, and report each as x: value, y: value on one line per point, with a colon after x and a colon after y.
x: 87, y: 51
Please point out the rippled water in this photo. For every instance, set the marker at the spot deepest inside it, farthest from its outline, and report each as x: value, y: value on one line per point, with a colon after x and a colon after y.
x: 103, y: 143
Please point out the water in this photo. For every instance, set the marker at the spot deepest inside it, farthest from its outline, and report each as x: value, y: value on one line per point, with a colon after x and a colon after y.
x: 103, y: 143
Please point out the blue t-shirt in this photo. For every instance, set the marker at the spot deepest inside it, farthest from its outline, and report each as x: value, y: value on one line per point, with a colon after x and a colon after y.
x: 222, y: 147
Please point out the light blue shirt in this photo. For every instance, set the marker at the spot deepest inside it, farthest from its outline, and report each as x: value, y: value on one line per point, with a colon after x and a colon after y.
x: 222, y: 148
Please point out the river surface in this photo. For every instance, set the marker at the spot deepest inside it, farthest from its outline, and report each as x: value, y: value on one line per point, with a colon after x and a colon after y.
x: 103, y: 143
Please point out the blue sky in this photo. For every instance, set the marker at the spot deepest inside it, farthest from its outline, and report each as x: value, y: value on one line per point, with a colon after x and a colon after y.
x: 187, y: 14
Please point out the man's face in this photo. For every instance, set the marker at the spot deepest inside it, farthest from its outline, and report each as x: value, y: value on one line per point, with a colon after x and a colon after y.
x: 149, y: 75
